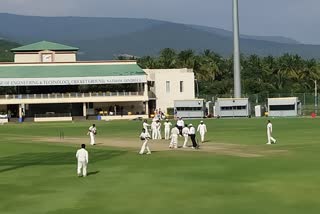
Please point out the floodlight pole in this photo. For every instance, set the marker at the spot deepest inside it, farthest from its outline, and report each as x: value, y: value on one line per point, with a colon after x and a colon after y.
x: 236, y: 51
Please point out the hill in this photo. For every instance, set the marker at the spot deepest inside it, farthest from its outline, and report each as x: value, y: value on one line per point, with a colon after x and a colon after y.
x: 5, y: 53
x: 105, y: 38
x: 180, y: 37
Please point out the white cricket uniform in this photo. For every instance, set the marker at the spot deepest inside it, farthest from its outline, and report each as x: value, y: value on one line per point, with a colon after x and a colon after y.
x: 174, y: 138
x: 92, y: 133
x: 158, y: 127
x: 269, y: 134
x: 145, y: 126
x: 185, y: 133
x: 167, y: 127
x: 180, y: 123
x: 202, y: 129
x: 154, y: 130
x: 144, y: 137
x: 83, y: 160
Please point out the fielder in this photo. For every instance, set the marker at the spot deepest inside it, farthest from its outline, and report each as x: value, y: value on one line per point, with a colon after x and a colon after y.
x: 269, y: 133
x: 174, y: 138
x: 145, y: 125
x: 144, y: 136
x: 92, y: 132
x: 167, y: 127
x: 185, y: 133
x: 154, y: 130
x: 158, y: 128
x: 83, y: 160
x: 202, y: 129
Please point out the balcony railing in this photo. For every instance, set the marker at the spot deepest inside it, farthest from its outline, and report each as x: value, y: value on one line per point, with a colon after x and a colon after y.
x: 71, y: 95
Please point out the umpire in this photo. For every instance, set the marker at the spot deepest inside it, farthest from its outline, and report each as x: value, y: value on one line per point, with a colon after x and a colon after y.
x: 192, y: 134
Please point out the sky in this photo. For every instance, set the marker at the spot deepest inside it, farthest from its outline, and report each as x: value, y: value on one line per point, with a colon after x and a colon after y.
x: 297, y: 19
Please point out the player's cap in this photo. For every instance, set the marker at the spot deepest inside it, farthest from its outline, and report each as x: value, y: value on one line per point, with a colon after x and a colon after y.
x: 190, y: 125
x: 201, y: 121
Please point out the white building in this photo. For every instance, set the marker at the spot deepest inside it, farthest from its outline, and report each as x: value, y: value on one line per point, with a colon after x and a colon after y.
x: 232, y: 107
x: 194, y: 108
x: 169, y: 85
x: 50, y: 84
x: 284, y: 107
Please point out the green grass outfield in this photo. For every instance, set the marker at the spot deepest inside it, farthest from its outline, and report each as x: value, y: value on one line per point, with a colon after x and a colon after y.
x: 40, y: 177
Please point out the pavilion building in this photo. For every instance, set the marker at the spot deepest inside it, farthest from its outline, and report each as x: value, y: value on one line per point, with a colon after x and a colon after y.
x: 47, y: 83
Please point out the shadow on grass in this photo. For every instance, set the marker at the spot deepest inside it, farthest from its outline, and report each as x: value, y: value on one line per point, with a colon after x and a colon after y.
x: 92, y: 173
x: 53, y: 158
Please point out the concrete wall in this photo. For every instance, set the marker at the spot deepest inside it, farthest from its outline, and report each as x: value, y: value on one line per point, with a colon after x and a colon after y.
x: 52, y: 119
x: 165, y: 99
x: 125, y: 117
x: 22, y: 58
x: 4, y: 120
x: 36, y: 56
x: 67, y: 57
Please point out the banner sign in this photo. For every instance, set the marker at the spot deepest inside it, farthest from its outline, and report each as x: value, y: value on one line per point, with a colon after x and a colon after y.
x: 72, y: 80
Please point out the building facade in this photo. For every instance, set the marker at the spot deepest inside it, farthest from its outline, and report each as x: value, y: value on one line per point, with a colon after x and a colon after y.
x: 47, y: 83
x: 169, y: 85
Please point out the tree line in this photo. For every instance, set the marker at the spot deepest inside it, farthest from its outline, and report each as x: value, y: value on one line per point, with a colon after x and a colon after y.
x: 214, y: 73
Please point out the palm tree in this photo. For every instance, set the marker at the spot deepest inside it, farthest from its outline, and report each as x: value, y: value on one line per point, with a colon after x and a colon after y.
x: 186, y: 58
x: 168, y: 58
x: 148, y: 62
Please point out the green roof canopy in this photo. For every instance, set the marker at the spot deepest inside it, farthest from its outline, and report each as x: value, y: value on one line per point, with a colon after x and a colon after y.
x: 11, y: 75
x: 44, y: 45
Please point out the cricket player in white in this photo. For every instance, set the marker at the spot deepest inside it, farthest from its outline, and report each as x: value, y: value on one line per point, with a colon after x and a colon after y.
x: 154, y: 130
x: 144, y: 136
x: 92, y: 132
x: 146, y: 126
x: 185, y: 133
x: 202, y: 129
x: 269, y: 133
x: 174, y: 137
x: 167, y: 127
x: 180, y: 125
x: 83, y: 160
x: 158, y: 128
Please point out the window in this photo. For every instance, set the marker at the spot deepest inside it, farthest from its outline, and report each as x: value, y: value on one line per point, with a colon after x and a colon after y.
x: 229, y: 108
x: 189, y: 108
x: 168, y: 86
x: 282, y: 107
x: 181, y: 86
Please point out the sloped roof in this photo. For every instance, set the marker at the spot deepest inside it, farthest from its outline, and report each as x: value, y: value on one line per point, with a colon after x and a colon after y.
x: 69, y: 70
x: 71, y: 74
x: 44, y: 45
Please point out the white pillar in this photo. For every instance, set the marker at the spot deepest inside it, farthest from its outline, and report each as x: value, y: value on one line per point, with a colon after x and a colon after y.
x: 20, y: 110
x: 146, y: 89
x: 84, y: 109
x: 147, y: 108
